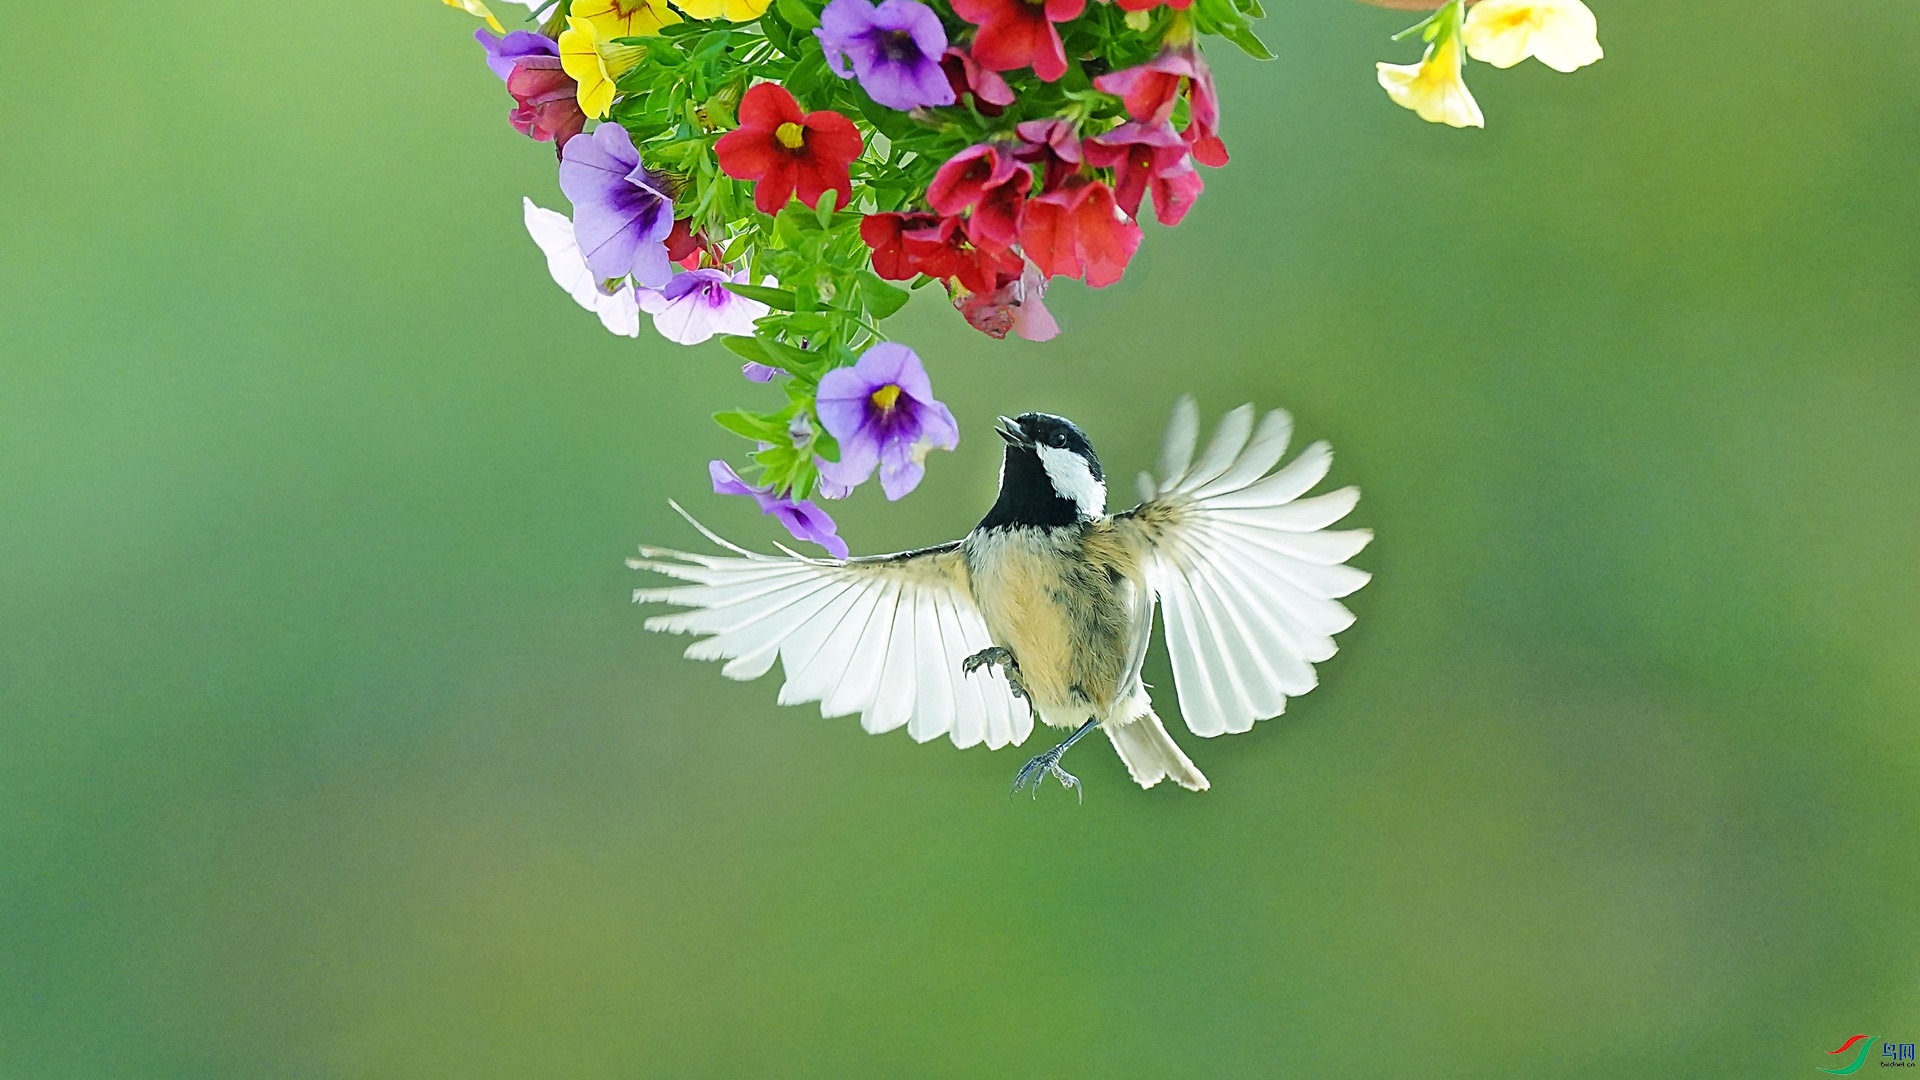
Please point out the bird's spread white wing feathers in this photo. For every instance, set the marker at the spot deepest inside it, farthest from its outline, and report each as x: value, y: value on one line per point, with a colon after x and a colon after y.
x: 1247, y: 572
x: 883, y: 637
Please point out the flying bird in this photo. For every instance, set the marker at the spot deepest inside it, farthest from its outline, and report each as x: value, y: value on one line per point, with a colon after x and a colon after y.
x: 1047, y: 606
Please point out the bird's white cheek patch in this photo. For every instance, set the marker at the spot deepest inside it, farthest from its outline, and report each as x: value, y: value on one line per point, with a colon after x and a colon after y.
x: 1072, y: 478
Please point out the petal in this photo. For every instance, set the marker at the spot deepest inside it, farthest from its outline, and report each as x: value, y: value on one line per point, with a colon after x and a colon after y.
x: 832, y: 136
x: 776, y: 187
x: 857, y: 462
x: 893, y: 364
x: 900, y: 471
x: 746, y: 154
x: 768, y: 105
x: 685, y: 321
x: 938, y: 428
x: 725, y: 480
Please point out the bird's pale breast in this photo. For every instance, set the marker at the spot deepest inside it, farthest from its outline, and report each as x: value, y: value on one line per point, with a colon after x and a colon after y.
x: 1061, y: 600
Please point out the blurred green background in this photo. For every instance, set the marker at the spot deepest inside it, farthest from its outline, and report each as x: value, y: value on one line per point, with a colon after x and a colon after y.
x: 331, y: 747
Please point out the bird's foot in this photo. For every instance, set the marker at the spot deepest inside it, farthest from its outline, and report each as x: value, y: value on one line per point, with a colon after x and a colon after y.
x: 1036, y: 771
x: 988, y: 657
x: 996, y: 656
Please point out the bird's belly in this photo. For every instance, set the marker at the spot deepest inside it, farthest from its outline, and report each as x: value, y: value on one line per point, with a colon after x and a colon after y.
x: 1062, y: 619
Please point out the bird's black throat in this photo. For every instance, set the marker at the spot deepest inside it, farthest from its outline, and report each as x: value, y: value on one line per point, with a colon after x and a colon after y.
x: 1027, y: 497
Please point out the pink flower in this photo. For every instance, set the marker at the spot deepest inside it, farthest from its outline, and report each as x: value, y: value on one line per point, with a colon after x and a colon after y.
x: 546, y: 108
x: 1014, y: 306
x: 987, y: 180
x: 991, y: 94
x: 1149, y: 90
x: 1144, y: 156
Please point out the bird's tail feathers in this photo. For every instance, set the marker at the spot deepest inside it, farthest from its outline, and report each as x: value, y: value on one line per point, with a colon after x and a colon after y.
x: 1152, y: 755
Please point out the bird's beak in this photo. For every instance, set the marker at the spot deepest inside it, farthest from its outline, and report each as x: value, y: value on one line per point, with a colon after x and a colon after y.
x: 1010, y: 431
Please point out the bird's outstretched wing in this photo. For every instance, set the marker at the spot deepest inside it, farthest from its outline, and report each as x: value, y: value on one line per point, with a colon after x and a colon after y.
x: 882, y: 636
x: 1246, y: 571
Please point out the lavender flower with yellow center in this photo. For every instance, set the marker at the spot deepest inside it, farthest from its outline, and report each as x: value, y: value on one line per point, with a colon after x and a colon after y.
x: 883, y: 413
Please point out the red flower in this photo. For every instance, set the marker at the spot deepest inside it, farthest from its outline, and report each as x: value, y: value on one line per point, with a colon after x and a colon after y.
x: 944, y: 250
x: 545, y: 108
x: 1020, y: 33
x: 783, y: 148
x: 1076, y: 231
x: 886, y: 235
x: 684, y: 245
x: 908, y: 244
x: 1143, y: 156
x: 991, y: 94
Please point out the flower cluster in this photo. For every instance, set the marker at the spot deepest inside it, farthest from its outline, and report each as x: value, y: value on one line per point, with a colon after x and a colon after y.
x: 771, y: 173
x: 1561, y: 34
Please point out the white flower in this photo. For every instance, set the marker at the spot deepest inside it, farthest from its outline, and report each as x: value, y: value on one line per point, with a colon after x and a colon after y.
x: 696, y: 305
x: 619, y: 311
x: 1561, y: 34
x: 1433, y: 88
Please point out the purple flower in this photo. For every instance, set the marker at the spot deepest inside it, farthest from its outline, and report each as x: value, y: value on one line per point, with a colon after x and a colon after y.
x: 503, y: 51
x: 696, y: 305
x: 895, y: 49
x: 621, y: 216
x: 803, y: 519
x: 883, y: 412
x: 759, y: 372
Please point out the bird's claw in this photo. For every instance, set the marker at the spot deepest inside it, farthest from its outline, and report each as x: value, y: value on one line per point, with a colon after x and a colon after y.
x: 992, y: 654
x: 1038, y: 769
x: 1002, y: 657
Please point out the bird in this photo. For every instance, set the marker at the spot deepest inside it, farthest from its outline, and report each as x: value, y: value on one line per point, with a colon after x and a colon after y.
x: 1046, y: 608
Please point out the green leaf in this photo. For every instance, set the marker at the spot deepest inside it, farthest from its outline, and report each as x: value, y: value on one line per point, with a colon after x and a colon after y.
x: 1240, y: 35
x: 881, y: 298
x: 748, y: 348
x: 750, y: 425
x: 782, y: 299
x: 798, y: 14
x: 811, y: 322
x: 712, y: 45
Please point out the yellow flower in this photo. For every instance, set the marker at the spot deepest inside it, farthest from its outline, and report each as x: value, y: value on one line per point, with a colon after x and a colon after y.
x: 594, y: 64
x: 1433, y: 88
x: 1561, y: 34
x: 730, y: 10
x: 624, y: 18
x: 478, y: 9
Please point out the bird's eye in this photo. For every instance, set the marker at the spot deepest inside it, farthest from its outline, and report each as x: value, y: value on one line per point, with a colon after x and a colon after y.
x: 1058, y: 442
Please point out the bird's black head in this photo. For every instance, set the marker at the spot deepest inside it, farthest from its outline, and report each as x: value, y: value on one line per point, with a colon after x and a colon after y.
x: 1050, y: 476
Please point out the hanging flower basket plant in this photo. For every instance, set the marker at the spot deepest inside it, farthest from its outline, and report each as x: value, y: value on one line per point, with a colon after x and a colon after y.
x: 781, y: 173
